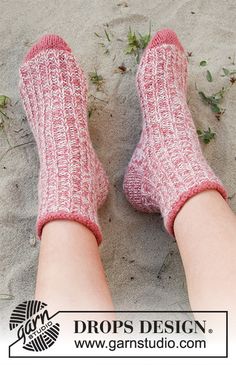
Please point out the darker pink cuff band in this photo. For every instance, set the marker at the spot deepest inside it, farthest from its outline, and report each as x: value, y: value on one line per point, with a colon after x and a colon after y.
x: 71, y: 217
x: 206, y: 185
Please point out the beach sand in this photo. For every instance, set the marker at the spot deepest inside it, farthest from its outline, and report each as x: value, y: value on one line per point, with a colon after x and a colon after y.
x: 142, y: 262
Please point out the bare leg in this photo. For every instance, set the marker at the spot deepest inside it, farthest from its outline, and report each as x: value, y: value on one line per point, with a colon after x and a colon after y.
x: 205, y: 230
x: 70, y: 272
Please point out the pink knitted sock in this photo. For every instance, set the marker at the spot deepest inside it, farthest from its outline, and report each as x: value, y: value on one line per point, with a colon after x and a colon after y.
x: 167, y: 167
x: 72, y: 182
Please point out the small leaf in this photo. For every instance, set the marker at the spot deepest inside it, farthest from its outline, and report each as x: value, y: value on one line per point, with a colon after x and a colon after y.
x: 1, y: 112
x: 3, y: 101
x: 220, y: 94
x: 203, y: 97
x: 144, y: 40
x: 209, y: 76
x: 226, y: 71
x: 107, y: 35
x: 97, y: 35
x: 206, y: 136
x: 129, y: 50
x: 203, y: 63
x: 215, y: 108
x: 96, y: 79
x: 106, y: 51
x: 214, y: 99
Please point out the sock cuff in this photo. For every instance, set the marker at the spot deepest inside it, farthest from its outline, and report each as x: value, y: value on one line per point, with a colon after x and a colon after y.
x: 93, y: 227
x: 206, y: 185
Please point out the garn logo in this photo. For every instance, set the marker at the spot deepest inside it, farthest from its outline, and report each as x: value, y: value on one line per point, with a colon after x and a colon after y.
x: 35, y: 327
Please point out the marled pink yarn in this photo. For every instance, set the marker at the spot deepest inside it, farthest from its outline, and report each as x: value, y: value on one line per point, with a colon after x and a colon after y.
x: 72, y: 182
x: 167, y: 167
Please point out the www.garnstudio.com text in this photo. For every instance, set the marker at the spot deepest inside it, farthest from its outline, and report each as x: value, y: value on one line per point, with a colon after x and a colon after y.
x: 140, y: 327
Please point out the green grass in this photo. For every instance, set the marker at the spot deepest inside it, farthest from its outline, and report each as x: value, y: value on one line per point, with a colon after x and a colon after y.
x: 4, y: 100
x: 136, y: 43
x: 96, y: 79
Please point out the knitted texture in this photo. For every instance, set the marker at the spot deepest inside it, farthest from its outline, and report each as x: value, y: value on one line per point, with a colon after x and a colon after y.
x: 167, y: 167
x: 72, y: 183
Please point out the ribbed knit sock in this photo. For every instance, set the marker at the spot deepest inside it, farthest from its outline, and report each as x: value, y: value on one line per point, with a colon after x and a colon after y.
x: 167, y: 167
x: 72, y: 182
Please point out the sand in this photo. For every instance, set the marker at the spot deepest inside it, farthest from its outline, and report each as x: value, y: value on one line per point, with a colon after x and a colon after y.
x: 142, y: 262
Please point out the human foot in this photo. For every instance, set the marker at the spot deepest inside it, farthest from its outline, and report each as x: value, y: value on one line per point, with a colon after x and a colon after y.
x: 72, y: 182
x: 167, y: 167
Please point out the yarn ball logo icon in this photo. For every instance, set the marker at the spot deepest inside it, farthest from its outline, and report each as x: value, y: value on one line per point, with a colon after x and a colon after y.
x: 34, y: 325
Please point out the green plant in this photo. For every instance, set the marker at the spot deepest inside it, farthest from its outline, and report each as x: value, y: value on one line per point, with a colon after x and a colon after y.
x: 137, y: 42
x: 214, y: 100
x: 206, y: 136
x: 96, y: 79
x: 203, y: 63
x: 105, y: 43
x: 228, y: 72
x: 4, y: 100
x: 107, y: 35
x: 209, y: 76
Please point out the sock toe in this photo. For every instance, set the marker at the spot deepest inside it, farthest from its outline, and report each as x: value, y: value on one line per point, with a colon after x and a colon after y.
x: 165, y: 36
x: 48, y: 41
